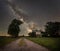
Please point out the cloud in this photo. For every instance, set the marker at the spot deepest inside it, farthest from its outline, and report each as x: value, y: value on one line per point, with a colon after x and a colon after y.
x: 16, y: 10
x: 24, y: 29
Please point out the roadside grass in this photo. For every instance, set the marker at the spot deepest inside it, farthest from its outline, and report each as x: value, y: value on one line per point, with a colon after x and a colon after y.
x: 22, y: 42
x: 51, y: 43
x: 5, y: 40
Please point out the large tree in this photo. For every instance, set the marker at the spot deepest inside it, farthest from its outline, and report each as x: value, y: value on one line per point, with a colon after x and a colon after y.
x: 14, y: 27
x: 53, y: 29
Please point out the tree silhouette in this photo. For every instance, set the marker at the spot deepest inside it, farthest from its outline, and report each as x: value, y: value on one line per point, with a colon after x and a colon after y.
x: 52, y: 29
x: 14, y: 28
x: 44, y: 34
x: 32, y: 34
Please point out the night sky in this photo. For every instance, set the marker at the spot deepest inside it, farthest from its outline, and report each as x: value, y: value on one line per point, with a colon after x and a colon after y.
x: 38, y: 11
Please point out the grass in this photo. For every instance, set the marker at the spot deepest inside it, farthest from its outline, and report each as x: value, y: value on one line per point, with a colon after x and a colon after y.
x: 51, y: 43
x: 6, y: 40
x: 22, y: 42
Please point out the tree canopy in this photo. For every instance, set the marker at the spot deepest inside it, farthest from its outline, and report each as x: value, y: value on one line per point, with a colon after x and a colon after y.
x: 32, y: 34
x: 13, y: 28
x: 52, y: 29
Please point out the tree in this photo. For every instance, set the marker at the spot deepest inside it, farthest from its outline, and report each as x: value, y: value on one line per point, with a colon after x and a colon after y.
x: 14, y: 28
x: 32, y: 34
x: 52, y: 29
x: 43, y: 34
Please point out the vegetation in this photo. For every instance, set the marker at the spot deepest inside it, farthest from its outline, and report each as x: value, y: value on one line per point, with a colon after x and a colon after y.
x: 50, y: 43
x: 5, y: 40
x: 14, y: 28
x: 32, y: 34
x: 52, y: 29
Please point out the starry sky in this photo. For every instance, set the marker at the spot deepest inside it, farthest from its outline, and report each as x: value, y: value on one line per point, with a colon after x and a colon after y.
x: 38, y: 11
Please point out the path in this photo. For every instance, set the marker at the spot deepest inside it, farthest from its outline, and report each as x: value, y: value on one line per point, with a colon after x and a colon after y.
x: 30, y: 46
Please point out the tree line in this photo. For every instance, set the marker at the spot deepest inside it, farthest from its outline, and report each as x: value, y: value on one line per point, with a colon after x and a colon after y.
x: 52, y: 29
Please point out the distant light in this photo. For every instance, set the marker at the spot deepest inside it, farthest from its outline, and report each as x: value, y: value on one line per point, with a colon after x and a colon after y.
x: 29, y: 30
x: 21, y: 19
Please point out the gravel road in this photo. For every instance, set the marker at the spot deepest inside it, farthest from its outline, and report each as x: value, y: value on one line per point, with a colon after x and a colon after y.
x: 29, y: 46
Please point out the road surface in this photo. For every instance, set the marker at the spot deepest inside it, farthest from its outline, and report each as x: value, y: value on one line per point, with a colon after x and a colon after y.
x: 29, y: 46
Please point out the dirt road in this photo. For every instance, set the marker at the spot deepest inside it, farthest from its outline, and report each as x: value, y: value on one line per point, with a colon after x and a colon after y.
x: 29, y: 46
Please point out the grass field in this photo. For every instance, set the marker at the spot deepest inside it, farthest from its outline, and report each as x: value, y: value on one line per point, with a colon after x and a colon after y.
x: 6, y: 40
x: 51, y: 43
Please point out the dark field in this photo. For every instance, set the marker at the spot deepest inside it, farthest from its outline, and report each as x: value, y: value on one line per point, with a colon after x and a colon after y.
x: 5, y: 40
